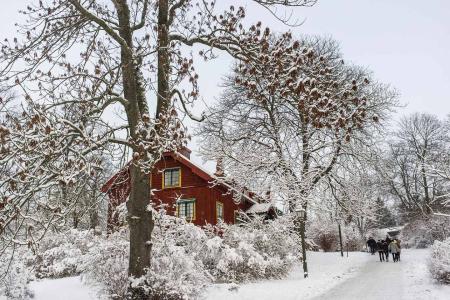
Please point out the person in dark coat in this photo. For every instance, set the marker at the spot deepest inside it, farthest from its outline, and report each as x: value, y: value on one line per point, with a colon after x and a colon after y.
x: 372, y: 244
x: 380, y: 250
x: 388, y: 240
x: 386, y: 250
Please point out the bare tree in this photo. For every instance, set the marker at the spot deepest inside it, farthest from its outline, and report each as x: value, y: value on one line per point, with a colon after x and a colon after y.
x: 288, y: 119
x: 410, y: 170
x: 289, y: 115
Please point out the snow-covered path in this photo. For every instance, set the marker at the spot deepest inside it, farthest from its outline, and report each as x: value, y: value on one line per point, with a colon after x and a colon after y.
x: 360, y: 276
x: 377, y: 280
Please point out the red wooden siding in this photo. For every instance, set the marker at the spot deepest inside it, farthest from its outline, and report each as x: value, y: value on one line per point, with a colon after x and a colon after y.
x: 195, y: 184
x: 192, y: 186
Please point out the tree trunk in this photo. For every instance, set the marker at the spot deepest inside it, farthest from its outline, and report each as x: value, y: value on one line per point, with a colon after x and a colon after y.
x: 302, y: 222
x: 340, y: 239
x: 163, y: 58
x: 139, y: 217
x: 76, y: 219
x: 141, y: 223
x: 93, y: 218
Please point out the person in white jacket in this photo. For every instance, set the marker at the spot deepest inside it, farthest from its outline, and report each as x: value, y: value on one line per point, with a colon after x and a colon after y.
x: 394, y: 249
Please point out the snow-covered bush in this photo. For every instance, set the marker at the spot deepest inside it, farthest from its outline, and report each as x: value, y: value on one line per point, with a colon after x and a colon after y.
x: 421, y: 233
x: 14, y: 278
x: 439, y: 263
x: 175, y: 273
x: 352, y: 239
x: 185, y: 257
x: 176, y: 270
x: 324, y: 232
x: 106, y: 264
x: 254, y: 250
x: 61, y: 254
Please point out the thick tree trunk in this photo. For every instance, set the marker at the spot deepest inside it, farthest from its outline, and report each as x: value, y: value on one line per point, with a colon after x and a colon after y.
x: 141, y: 223
x: 139, y: 217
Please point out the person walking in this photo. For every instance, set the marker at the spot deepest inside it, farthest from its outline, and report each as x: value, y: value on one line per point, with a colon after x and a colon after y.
x: 372, y: 244
x: 394, y: 249
x: 399, y: 250
x: 386, y: 250
x: 380, y: 250
x: 388, y: 240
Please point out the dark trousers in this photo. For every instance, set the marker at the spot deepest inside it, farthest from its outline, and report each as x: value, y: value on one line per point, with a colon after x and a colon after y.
x: 372, y: 250
x: 381, y: 254
x: 386, y: 254
x: 395, y: 256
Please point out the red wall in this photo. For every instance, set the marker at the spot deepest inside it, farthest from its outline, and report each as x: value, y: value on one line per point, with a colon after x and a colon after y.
x: 193, y: 186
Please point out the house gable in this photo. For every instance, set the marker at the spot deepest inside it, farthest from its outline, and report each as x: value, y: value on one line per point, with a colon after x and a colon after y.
x: 195, y: 184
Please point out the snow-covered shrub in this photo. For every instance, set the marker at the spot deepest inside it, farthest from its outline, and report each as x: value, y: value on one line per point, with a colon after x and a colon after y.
x: 254, y: 250
x: 439, y: 263
x: 352, y: 239
x: 175, y: 273
x: 176, y: 270
x: 185, y: 257
x: 421, y: 233
x: 61, y: 254
x: 324, y: 232
x: 14, y: 278
x: 106, y: 264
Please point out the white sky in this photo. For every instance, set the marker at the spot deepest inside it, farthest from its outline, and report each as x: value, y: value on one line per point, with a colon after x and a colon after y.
x: 405, y: 42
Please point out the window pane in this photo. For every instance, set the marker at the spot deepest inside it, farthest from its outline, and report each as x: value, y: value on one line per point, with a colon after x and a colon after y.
x: 219, y: 211
x: 167, y: 178
x: 186, y: 209
x: 175, y: 177
x: 171, y: 177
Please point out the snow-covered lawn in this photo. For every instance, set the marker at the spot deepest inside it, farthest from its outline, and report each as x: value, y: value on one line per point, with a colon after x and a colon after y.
x: 360, y: 276
x: 70, y: 288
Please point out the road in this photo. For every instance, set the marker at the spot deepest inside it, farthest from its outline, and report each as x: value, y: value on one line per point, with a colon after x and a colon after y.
x: 404, y: 280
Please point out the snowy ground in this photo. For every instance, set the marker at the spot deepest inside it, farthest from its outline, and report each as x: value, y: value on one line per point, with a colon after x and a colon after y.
x: 325, y: 271
x: 360, y: 276
x: 70, y: 288
x: 408, y: 280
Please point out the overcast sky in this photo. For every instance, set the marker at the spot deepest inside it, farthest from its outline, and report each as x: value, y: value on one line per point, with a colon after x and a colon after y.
x: 405, y: 42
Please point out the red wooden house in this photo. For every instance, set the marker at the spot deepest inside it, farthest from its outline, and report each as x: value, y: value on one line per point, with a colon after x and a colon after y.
x: 187, y: 191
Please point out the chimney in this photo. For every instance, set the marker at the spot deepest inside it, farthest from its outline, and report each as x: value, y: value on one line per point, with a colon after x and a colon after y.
x: 185, y: 151
x: 219, y: 168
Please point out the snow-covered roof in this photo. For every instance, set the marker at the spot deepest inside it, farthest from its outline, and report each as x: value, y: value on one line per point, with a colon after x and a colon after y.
x: 259, y: 208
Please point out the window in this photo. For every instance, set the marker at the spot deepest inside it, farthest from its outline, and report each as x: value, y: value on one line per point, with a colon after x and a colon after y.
x: 219, y: 211
x: 172, y: 178
x: 186, y: 209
